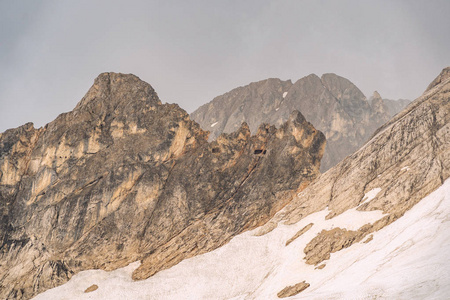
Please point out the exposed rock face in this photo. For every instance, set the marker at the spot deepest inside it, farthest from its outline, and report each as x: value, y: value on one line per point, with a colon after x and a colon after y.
x: 299, y: 233
x: 331, y: 103
x: 407, y: 159
x: 293, y: 290
x: 91, y: 288
x: 329, y: 241
x: 123, y: 178
x: 444, y: 76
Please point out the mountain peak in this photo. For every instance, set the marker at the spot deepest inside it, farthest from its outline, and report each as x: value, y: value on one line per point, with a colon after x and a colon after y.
x: 111, y: 89
x: 342, y: 88
x: 296, y: 116
x: 444, y: 75
x: 319, y: 99
x: 123, y: 161
x: 376, y: 95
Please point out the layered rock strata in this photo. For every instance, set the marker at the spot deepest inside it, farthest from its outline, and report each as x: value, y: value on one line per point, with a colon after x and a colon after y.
x: 124, y: 177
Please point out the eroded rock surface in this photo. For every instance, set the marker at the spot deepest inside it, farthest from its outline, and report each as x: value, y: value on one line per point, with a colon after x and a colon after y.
x: 329, y: 241
x: 331, y: 103
x: 124, y: 177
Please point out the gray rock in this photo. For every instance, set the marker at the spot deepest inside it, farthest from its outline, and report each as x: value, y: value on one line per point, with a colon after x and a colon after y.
x: 331, y: 103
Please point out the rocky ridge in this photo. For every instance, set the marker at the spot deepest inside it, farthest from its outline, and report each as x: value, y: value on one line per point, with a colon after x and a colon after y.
x: 124, y: 177
x: 374, y: 226
x: 331, y: 103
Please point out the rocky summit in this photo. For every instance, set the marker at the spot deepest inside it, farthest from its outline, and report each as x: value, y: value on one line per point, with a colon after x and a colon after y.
x: 123, y: 178
x: 331, y: 103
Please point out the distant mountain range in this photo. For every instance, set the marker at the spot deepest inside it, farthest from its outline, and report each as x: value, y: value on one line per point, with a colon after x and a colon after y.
x: 331, y: 103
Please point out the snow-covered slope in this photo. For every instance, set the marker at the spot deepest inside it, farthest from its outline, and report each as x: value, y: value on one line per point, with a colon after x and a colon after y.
x: 407, y: 259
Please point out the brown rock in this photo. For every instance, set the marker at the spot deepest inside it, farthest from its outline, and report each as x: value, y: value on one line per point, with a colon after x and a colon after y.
x: 329, y: 241
x: 320, y: 267
x: 299, y: 233
x: 443, y: 76
x: 369, y: 238
x: 91, y: 288
x: 293, y: 290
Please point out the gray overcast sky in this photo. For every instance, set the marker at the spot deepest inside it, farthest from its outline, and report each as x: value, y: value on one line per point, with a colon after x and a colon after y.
x: 192, y: 51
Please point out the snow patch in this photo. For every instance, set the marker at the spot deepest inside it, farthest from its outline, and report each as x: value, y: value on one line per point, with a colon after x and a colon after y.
x: 370, y: 195
x: 405, y: 168
x: 276, y: 109
x: 285, y: 94
x: 214, y: 124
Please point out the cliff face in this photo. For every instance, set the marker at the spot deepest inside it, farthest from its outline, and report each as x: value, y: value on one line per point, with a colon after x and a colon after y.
x: 123, y: 177
x: 331, y: 103
x: 374, y: 226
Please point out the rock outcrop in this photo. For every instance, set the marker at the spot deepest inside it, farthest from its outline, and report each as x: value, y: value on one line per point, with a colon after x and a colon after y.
x: 330, y: 241
x: 443, y: 76
x: 124, y: 177
x: 290, y: 291
x: 331, y: 103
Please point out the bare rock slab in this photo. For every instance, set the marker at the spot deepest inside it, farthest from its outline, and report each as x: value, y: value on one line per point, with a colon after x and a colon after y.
x: 293, y: 290
x: 91, y: 288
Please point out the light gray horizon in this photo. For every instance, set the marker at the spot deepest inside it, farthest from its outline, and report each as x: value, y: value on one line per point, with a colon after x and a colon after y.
x: 193, y: 51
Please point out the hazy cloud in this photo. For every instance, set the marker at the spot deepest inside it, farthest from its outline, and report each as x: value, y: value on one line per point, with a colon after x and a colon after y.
x: 192, y: 51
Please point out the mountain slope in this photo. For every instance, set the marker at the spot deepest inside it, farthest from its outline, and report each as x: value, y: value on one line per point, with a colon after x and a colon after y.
x: 331, y: 103
x: 374, y: 226
x: 124, y: 177
x: 402, y: 261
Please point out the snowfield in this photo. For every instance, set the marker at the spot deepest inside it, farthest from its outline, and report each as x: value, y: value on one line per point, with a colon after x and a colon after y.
x: 409, y: 259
